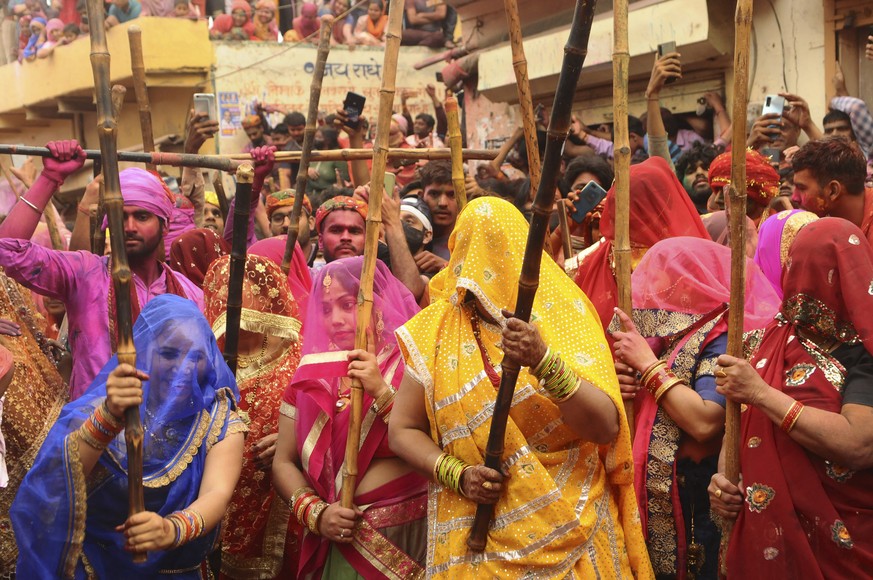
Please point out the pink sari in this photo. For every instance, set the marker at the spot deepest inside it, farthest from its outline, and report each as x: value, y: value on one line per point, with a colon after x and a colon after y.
x: 322, y: 427
x: 681, y: 291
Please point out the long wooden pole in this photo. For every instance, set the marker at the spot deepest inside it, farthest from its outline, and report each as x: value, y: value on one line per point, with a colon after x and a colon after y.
x: 737, y: 197
x: 137, y: 67
x: 374, y: 224
x: 623, y: 258
x: 525, y: 101
x: 121, y: 274
x: 308, y: 139
x: 559, y: 125
x: 244, y: 177
x: 231, y: 162
x: 455, y: 139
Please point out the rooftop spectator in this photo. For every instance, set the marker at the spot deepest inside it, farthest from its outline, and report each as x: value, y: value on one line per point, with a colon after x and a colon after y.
x: 304, y: 27
x: 265, y: 21
x: 370, y: 29
x: 123, y: 11
x: 234, y: 26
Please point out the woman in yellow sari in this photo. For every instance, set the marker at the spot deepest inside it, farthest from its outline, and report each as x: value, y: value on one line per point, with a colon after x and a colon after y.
x: 565, y: 502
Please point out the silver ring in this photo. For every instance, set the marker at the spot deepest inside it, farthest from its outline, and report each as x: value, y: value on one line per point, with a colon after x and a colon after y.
x: 343, y: 533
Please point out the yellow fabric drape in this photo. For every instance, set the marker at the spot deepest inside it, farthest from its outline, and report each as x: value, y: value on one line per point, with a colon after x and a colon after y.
x: 569, y: 505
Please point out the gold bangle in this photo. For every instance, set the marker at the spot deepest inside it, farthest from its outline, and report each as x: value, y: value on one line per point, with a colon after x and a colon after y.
x: 436, y: 465
x: 384, y: 399
x: 570, y: 394
x: 659, y: 394
x: 653, y: 368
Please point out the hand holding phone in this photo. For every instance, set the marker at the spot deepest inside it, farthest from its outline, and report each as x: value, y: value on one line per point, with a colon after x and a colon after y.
x: 664, y: 49
x: 204, y: 103
x: 589, y: 197
x: 353, y: 105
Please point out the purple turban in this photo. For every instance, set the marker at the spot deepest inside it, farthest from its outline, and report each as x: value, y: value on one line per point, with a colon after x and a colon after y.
x: 146, y: 190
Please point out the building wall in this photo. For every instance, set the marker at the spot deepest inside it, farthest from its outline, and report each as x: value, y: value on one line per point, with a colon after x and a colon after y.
x: 787, y: 53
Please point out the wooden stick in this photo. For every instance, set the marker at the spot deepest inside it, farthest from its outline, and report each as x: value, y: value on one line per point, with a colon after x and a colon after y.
x: 121, y: 274
x: 374, y: 224
x: 622, y: 249
x: 231, y: 162
x: 737, y: 196
x: 566, y: 244
x: 522, y: 85
x: 98, y: 234
x: 559, y: 125
x: 244, y: 177
x: 118, y: 92
x: 455, y: 140
x: 221, y: 195
x: 137, y: 67
x: 308, y: 139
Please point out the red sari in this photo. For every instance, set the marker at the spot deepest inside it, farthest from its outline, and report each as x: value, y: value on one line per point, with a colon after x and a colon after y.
x: 659, y: 209
x: 260, y: 537
x: 805, y: 517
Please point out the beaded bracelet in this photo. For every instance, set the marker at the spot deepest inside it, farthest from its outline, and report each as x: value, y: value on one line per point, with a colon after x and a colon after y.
x: 189, y: 526
x: 791, y: 417
x: 448, y: 470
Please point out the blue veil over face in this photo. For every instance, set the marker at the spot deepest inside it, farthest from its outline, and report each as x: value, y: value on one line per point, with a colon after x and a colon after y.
x: 65, y: 522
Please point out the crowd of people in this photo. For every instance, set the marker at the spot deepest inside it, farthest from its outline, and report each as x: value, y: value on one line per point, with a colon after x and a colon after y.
x: 243, y: 473
x: 33, y: 29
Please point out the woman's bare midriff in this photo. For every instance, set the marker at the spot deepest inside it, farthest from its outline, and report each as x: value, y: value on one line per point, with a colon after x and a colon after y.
x: 380, y: 472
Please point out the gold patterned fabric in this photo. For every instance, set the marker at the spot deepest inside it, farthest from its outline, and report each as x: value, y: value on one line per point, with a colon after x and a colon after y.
x: 31, y: 405
x: 260, y: 538
x: 569, y: 506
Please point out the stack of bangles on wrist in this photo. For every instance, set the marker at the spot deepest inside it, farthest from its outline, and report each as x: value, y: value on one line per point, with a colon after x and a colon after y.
x: 448, y: 471
x: 558, y: 380
x: 189, y: 526
x: 307, y: 507
x: 383, y: 405
x: 791, y: 417
x: 658, y: 379
x: 100, y: 428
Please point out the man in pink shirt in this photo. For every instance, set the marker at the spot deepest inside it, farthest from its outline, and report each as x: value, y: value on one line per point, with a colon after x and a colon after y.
x: 81, y: 279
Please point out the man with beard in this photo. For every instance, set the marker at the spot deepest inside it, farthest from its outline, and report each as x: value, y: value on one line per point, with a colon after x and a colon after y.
x: 82, y: 281
x: 692, y: 168
x: 829, y: 181
x: 253, y: 125
x: 762, y: 181
x: 340, y: 223
x: 279, y: 207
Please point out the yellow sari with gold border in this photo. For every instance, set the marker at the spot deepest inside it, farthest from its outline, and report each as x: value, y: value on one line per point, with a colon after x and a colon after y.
x: 569, y: 507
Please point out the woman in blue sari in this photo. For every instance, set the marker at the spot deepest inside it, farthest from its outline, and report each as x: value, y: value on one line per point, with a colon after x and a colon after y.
x: 70, y: 514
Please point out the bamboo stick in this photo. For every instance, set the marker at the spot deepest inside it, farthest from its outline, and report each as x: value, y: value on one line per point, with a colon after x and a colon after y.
x: 308, y: 139
x: 231, y: 162
x: 137, y: 67
x: 622, y: 249
x: 559, y: 125
x: 121, y: 274
x: 374, y: 223
x: 525, y: 101
x: 98, y: 235
x: 455, y: 139
x: 244, y: 177
x: 221, y: 195
x: 737, y: 197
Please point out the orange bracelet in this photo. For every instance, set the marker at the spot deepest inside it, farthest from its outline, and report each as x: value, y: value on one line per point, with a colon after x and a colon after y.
x: 790, y: 418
